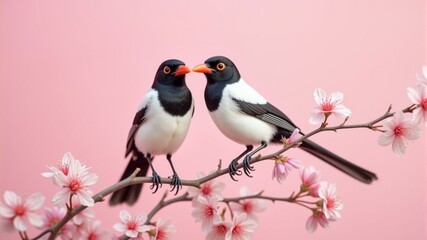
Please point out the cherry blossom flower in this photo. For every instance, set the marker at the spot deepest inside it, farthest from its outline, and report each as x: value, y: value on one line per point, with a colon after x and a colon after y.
x: 283, y: 166
x: 207, y: 190
x: 418, y: 96
x: 310, y: 180
x: 294, y: 136
x: 75, y: 183
x: 164, y: 230
x: 422, y: 79
x: 133, y: 226
x: 328, y: 105
x: 22, y: 212
x: 205, y: 211
x: 86, y: 215
x: 332, y: 205
x: 242, y: 228
x: 249, y: 206
x: 398, y: 132
x: 219, y: 231
x: 92, y: 231
x: 318, y: 218
x: 63, y: 166
x: 52, y: 216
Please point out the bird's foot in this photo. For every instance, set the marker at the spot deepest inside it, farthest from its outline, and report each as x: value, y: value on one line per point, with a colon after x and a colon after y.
x: 232, y: 170
x: 247, y: 168
x: 175, y: 183
x: 157, y: 182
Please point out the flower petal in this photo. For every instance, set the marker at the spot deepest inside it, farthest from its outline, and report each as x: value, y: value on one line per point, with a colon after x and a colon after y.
x: 414, y: 96
x: 20, y: 223
x: 35, y: 219
x: 341, y: 111
x: 143, y: 228
x: 11, y: 199
x: 319, y: 96
x: 124, y: 216
x: 34, y: 202
x: 385, y: 139
x: 316, y: 118
x: 120, y: 227
x: 311, y: 224
x: 89, y: 179
x: 61, y: 197
x: 131, y: 233
x: 85, y: 198
x: 6, y: 212
x: 399, y: 146
x: 336, y: 97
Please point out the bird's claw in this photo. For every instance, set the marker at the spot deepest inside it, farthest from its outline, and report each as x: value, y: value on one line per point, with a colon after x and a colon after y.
x: 247, y: 168
x: 176, y: 184
x: 232, y: 170
x: 157, y: 182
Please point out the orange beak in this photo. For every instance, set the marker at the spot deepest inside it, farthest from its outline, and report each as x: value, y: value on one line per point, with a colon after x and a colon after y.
x: 202, y: 68
x: 182, y: 70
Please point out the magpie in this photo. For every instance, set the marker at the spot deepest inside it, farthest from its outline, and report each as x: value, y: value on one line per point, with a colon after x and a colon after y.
x: 159, y: 128
x: 246, y: 117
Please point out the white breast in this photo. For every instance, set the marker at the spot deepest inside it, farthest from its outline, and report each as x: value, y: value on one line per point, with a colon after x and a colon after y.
x: 236, y: 125
x: 161, y: 133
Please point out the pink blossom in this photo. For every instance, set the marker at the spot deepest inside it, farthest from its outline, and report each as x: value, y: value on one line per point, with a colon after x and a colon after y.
x: 418, y: 96
x: 332, y: 205
x: 84, y: 216
x: 63, y: 166
x: 310, y: 180
x: 249, y: 206
x: 52, y: 216
x: 294, y: 137
x: 75, y: 183
x: 327, y: 105
x: 422, y: 79
x: 205, y: 211
x: 92, y: 231
x: 398, y: 132
x: 133, y: 226
x: 207, y: 190
x: 164, y: 230
x: 242, y: 228
x: 318, y: 218
x: 218, y: 231
x: 283, y: 166
x: 22, y: 212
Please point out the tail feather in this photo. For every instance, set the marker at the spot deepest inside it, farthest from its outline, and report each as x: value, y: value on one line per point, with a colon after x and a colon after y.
x: 130, y: 194
x: 338, y: 162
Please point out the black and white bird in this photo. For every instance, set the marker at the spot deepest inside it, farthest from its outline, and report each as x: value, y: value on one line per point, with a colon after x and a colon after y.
x: 159, y: 128
x: 246, y: 117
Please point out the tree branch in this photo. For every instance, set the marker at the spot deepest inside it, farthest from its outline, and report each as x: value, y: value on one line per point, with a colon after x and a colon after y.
x: 132, y: 179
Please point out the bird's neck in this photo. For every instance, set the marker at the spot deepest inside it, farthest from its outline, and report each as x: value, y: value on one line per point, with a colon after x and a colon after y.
x: 213, y: 95
x: 176, y: 100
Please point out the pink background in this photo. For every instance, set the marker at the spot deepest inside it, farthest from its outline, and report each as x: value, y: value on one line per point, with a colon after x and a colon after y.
x: 73, y: 72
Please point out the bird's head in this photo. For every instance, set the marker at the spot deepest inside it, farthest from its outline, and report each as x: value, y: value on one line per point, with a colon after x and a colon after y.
x: 218, y: 69
x: 171, y: 72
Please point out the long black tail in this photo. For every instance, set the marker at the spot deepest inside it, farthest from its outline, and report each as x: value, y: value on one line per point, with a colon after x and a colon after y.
x: 338, y: 162
x: 130, y: 194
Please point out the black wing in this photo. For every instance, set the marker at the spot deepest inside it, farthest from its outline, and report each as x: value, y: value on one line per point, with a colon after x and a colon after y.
x: 137, y: 122
x: 267, y: 113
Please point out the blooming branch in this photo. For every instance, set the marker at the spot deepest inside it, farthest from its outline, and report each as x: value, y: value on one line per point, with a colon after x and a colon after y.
x: 210, y: 206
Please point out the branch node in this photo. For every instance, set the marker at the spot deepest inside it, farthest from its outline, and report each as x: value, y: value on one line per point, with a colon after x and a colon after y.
x: 219, y: 165
x: 389, y: 109
x: 345, y: 121
x: 133, y: 175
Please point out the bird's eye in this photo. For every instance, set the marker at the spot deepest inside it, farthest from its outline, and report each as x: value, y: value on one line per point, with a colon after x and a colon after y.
x: 220, y: 66
x: 166, y: 70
